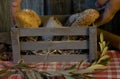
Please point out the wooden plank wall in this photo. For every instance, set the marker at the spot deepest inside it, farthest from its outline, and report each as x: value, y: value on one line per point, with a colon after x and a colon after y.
x: 5, y: 20
x: 36, y: 5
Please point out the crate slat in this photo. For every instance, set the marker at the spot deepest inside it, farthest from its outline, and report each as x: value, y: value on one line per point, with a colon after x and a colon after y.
x: 15, y: 45
x: 52, y: 31
x: 54, y: 45
x: 54, y: 58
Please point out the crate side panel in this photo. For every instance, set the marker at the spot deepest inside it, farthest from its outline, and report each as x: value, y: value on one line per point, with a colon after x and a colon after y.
x: 92, y: 43
x: 54, y: 58
x: 15, y: 45
x: 53, y: 31
x: 54, y: 45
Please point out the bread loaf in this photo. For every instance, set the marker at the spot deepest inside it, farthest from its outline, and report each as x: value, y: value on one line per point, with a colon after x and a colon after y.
x: 27, y: 19
x: 52, y: 23
x: 85, y: 18
x: 72, y: 18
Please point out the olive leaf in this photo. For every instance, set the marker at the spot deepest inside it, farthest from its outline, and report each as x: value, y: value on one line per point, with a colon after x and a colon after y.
x: 89, y: 77
x: 101, y: 37
x: 104, y: 51
x: 19, y: 71
x: 7, y: 74
x: 102, y: 45
x: 68, y: 77
x: 97, y: 66
x: 24, y: 66
x: 105, y: 61
x: 28, y: 75
x: 3, y: 71
x: 82, y: 71
x: 38, y: 75
x: 72, y: 67
x: 103, y: 58
x: 80, y: 64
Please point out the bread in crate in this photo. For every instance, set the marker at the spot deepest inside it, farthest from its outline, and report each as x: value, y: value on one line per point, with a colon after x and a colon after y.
x: 85, y: 18
x: 50, y: 46
x: 27, y: 19
x: 52, y: 23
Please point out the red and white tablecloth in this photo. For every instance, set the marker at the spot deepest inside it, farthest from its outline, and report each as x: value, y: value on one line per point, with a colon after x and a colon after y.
x: 112, y: 72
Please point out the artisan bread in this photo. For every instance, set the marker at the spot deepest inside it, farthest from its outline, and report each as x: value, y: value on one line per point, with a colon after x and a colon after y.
x: 85, y: 18
x: 27, y: 19
x: 52, y: 23
x: 72, y: 18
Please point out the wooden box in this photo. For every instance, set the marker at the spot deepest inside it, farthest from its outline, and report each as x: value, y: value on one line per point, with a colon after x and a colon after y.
x: 90, y: 43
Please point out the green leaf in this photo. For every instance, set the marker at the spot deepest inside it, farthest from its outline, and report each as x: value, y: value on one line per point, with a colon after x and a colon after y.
x: 33, y: 74
x: 7, y: 74
x: 80, y: 64
x: 3, y: 71
x: 53, y: 72
x: 103, y: 58
x: 89, y: 77
x: 38, y: 76
x: 72, y: 67
x: 29, y: 76
x: 102, y: 45
x: 104, y: 52
x: 83, y: 71
x: 96, y: 67
x: 101, y: 37
x: 24, y: 66
x: 105, y: 61
x: 19, y: 71
x: 67, y: 72
x: 68, y: 77
x: 90, y: 69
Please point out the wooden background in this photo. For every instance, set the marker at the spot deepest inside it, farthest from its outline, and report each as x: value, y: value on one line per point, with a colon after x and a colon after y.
x: 5, y: 22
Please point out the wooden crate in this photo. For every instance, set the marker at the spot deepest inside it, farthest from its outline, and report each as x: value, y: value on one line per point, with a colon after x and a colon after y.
x: 90, y: 44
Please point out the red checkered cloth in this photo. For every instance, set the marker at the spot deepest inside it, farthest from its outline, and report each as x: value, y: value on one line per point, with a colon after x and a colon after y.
x: 112, y: 72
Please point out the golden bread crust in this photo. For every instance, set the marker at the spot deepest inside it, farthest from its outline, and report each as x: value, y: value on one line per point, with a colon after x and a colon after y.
x: 27, y: 19
x: 85, y: 18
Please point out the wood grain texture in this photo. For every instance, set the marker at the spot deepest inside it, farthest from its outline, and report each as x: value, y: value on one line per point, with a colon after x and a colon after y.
x: 50, y: 45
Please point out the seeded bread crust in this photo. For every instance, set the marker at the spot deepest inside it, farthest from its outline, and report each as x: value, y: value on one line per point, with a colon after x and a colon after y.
x: 85, y: 18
